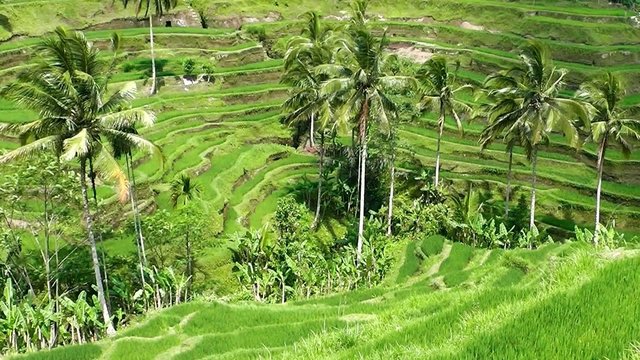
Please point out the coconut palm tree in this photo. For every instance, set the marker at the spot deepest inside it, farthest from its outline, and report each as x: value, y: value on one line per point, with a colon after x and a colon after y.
x: 78, y: 121
x: 609, y: 124
x: 160, y: 6
x: 438, y: 94
x: 312, y: 48
x: 533, y: 107
x: 122, y: 147
x: 361, y: 83
x: 183, y: 187
x: 307, y: 102
x: 512, y: 137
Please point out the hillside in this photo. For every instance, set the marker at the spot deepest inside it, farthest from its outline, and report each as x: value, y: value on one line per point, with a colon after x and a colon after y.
x: 447, y: 273
x: 220, y: 124
x: 560, y: 301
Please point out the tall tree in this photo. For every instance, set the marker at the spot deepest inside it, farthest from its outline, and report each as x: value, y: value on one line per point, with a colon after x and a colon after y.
x: 610, y: 124
x: 438, y: 90
x: 497, y: 110
x: 314, y: 47
x: 160, y: 7
x: 123, y: 147
x: 362, y: 81
x: 68, y: 89
x: 185, y: 189
x: 533, y: 106
x: 306, y: 102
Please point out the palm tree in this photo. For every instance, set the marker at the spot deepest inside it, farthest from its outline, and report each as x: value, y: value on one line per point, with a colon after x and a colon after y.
x: 122, y: 147
x: 182, y: 187
x: 362, y: 83
x: 77, y: 120
x: 496, y: 111
x: 186, y: 189
x: 438, y: 94
x: 314, y: 47
x: 528, y: 96
x: 306, y: 102
x: 160, y: 7
x: 609, y: 124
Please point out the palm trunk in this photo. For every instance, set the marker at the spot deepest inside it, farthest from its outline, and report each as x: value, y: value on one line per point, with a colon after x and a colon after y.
x: 46, y: 254
x: 508, y: 191
x: 189, y: 263
x: 391, y: 190
x: 106, y: 317
x: 364, y: 114
x: 534, y: 158
x: 92, y: 176
x: 312, y: 131
x: 440, y: 130
x: 316, y: 220
x: 283, y: 289
x: 153, y: 57
x: 136, y: 212
x: 603, y: 148
x: 135, y: 224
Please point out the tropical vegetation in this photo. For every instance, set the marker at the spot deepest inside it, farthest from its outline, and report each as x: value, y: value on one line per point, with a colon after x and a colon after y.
x: 291, y: 180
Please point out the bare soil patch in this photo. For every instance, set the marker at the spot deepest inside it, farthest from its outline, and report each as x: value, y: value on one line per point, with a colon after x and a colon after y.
x: 408, y: 51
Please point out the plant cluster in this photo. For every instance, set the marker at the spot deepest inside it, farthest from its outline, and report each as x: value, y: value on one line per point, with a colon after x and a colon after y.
x: 294, y: 264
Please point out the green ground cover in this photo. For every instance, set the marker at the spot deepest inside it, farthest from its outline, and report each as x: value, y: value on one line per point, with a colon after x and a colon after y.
x: 464, y: 303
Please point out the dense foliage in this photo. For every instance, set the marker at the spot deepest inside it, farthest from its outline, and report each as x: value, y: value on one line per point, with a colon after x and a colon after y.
x: 349, y: 95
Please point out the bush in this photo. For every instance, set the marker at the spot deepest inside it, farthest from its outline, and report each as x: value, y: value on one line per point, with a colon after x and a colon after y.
x: 417, y: 218
x: 189, y: 66
x: 257, y: 32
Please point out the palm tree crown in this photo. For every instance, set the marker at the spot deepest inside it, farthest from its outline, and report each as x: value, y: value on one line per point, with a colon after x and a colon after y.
x: 77, y: 121
x: 183, y: 187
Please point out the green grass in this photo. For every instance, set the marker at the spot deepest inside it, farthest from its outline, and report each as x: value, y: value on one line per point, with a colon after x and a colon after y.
x: 432, y: 245
x: 571, y: 300
x: 507, y: 304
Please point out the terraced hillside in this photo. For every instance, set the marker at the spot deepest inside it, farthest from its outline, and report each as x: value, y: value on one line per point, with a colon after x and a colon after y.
x: 228, y: 134
x: 444, y: 301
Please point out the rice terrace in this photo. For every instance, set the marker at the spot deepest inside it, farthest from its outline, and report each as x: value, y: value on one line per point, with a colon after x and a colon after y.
x: 338, y: 179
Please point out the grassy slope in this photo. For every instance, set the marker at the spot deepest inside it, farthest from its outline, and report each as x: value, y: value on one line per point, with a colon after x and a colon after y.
x: 228, y: 134
x: 455, y: 302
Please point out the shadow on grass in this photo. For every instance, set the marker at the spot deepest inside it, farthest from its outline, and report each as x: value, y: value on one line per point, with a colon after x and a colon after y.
x: 5, y: 24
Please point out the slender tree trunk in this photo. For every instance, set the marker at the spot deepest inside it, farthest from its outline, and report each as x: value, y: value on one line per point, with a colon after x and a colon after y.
x: 46, y: 254
x: 189, y: 263
x: 47, y: 268
x: 153, y: 57
x: 440, y: 130
x: 135, y: 225
x: 364, y: 114
x: 508, y: 192
x: 92, y: 176
x: 534, y: 159
x: 316, y: 220
x: 55, y: 326
x: 312, y: 131
x: 601, y: 152
x: 138, y: 218
x: 106, y: 317
x: 391, y: 190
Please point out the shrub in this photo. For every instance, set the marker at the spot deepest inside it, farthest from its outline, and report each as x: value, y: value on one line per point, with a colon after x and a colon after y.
x: 257, y: 32
x: 189, y: 66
